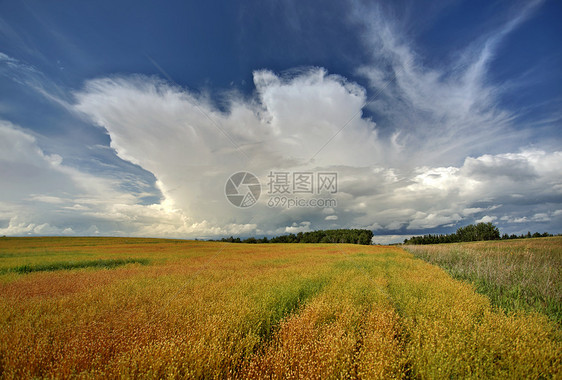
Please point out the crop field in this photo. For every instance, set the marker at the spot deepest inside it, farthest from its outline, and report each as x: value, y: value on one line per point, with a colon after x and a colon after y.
x: 152, y: 308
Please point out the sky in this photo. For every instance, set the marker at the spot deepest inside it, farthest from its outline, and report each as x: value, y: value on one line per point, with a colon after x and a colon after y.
x: 127, y: 118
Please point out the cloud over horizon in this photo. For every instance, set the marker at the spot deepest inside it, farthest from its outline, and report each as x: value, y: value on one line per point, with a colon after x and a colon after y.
x: 418, y: 148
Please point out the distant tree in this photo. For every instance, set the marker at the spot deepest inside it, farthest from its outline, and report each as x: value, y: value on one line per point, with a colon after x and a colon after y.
x: 343, y: 236
x: 480, y: 231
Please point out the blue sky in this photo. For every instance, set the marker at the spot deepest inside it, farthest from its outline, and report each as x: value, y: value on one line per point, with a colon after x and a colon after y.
x: 127, y: 117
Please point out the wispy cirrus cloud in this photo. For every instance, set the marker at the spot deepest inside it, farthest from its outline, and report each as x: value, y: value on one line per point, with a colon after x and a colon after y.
x: 452, y: 106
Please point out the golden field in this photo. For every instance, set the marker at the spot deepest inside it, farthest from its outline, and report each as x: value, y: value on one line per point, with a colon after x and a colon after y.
x: 150, y: 308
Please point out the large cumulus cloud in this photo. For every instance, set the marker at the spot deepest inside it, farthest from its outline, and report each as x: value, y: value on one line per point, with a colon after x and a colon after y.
x: 192, y: 148
x: 417, y: 148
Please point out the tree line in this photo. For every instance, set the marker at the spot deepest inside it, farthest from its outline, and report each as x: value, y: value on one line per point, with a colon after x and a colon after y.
x: 342, y: 236
x: 472, y: 232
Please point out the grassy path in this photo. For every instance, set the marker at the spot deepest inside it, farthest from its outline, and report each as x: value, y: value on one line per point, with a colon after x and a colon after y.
x: 210, y: 310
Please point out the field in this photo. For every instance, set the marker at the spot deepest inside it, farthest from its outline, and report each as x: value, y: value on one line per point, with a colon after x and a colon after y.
x: 120, y: 307
x: 522, y: 274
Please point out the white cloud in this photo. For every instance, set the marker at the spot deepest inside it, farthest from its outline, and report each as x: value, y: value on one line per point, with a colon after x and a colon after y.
x: 188, y: 145
x: 541, y: 217
x: 434, y: 220
x: 438, y: 150
x: 486, y: 219
x: 87, y: 204
x: 296, y: 228
x: 192, y: 148
x: 46, y: 199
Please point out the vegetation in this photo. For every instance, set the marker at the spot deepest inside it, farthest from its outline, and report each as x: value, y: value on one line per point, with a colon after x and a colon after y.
x: 472, y: 232
x: 516, y: 275
x: 342, y: 236
x: 480, y: 231
x: 107, y: 264
x: 526, y: 236
x: 215, y: 310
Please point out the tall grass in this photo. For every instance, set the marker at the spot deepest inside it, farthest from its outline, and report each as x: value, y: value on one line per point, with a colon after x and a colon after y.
x: 454, y: 333
x: 516, y: 274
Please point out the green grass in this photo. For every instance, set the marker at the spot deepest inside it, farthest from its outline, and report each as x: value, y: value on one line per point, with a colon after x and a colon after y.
x: 67, y: 265
x: 517, y: 275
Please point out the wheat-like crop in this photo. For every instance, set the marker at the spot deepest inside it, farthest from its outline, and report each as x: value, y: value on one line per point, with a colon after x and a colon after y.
x: 219, y: 310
